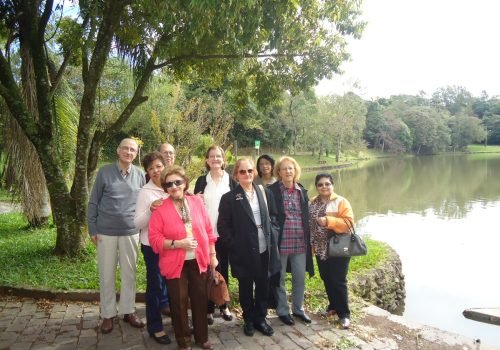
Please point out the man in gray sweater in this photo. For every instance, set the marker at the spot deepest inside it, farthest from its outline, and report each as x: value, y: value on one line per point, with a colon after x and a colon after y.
x: 111, y: 226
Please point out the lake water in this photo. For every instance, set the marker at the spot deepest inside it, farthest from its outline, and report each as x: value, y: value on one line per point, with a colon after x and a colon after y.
x: 441, y: 214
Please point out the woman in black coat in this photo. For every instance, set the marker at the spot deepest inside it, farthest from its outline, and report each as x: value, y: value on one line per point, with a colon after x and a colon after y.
x: 248, y: 228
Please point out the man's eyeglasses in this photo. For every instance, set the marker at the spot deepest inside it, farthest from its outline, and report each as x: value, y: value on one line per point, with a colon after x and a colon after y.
x: 177, y: 183
x: 324, y: 184
x: 247, y: 171
x: 128, y: 149
x: 170, y: 153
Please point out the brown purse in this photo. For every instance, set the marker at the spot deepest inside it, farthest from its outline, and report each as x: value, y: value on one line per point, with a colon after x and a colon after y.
x: 217, y: 288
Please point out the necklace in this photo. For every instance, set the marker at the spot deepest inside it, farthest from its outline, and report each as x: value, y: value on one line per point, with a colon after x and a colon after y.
x: 250, y: 195
x: 180, y: 205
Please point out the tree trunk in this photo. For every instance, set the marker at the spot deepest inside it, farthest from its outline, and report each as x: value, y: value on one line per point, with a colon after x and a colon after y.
x: 71, y: 225
x: 337, y: 152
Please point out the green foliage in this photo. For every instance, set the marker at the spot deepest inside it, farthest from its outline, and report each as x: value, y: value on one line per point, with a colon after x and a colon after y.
x: 464, y: 131
x: 69, y: 37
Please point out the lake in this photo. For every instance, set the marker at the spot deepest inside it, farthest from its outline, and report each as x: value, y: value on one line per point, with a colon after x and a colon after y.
x: 440, y: 213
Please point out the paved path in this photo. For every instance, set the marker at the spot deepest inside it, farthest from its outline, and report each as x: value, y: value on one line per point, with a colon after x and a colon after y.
x: 27, y: 323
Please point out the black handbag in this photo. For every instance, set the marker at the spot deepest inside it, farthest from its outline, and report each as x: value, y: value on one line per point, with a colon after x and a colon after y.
x: 347, y: 244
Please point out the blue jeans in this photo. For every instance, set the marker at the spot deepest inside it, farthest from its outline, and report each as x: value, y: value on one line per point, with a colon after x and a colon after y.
x: 156, y: 290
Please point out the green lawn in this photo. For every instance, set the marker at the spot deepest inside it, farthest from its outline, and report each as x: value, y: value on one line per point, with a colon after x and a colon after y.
x: 483, y: 149
x: 27, y: 260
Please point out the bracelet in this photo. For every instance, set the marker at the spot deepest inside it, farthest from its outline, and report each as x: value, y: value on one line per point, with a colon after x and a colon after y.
x: 212, y: 253
x: 172, y: 245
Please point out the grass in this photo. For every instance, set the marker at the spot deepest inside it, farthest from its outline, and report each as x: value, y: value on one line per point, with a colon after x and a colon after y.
x: 27, y: 260
x: 483, y: 149
x: 5, y: 196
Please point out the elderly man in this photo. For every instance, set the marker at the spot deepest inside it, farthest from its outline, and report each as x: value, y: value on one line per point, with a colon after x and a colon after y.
x: 111, y: 226
x: 168, y: 152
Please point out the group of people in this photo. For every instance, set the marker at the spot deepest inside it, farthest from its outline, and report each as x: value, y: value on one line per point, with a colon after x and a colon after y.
x: 259, y: 221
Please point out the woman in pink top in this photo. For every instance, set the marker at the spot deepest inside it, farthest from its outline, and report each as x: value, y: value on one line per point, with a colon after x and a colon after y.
x: 181, y: 233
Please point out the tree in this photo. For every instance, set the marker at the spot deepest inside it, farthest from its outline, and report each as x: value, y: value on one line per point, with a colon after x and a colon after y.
x: 455, y: 99
x: 346, y: 116
x: 284, y: 44
x: 429, y: 129
x: 464, y: 131
x: 492, y: 129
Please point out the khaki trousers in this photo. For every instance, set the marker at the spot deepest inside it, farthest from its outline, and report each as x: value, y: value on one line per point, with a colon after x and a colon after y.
x: 113, y: 250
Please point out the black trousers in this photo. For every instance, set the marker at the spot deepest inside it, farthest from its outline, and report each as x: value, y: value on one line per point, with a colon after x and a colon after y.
x: 254, y: 301
x: 333, y: 272
x: 223, y: 267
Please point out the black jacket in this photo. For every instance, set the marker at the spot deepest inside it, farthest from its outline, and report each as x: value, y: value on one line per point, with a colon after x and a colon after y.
x: 304, y: 204
x: 238, y: 231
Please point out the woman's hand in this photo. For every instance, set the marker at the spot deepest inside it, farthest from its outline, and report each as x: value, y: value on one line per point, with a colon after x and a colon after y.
x: 155, y: 204
x: 321, y: 221
x: 187, y: 243
x: 213, y: 261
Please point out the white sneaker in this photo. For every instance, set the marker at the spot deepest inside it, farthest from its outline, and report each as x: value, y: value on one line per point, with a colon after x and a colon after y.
x: 345, y: 323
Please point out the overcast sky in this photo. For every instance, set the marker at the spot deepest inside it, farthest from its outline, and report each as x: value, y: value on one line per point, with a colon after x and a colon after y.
x: 414, y: 45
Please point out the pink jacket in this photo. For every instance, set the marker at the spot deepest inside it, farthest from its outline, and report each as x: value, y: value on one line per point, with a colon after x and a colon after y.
x: 166, y: 223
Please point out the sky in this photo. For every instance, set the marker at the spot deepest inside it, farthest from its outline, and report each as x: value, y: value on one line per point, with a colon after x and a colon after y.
x: 410, y: 46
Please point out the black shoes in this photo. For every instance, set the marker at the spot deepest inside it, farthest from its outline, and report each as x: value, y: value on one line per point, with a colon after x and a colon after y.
x: 161, y: 339
x: 264, y: 328
x: 248, y: 329
x: 287, y: 319
x: 226, y: 314
x: 303, y: 317
x: 210, y: 319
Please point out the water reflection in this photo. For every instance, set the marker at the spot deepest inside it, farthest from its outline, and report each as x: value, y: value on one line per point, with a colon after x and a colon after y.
x: 440, y: 214
x: 447, y: 184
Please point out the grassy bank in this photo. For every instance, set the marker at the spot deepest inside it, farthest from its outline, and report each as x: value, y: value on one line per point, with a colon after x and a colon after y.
x: 27, y: 260
x: 483, y: 149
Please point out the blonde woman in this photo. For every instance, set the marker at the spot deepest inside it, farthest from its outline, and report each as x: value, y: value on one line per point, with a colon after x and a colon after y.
x: 294, y: 244
x: 247, y: 226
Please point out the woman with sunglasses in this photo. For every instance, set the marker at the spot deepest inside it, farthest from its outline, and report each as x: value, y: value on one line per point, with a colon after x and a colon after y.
x: 181, y: 233
x: 211, y: 187
x: 247, y: 225
x: 329, y: 211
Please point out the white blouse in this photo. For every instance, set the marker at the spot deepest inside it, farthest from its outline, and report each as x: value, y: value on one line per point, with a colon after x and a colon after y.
x: 147, y: 195
x: 212, y: 195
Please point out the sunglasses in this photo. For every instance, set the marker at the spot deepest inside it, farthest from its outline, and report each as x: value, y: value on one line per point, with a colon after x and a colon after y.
x: 177, y: 183
x: 247, y: 171
x: 324, y: 184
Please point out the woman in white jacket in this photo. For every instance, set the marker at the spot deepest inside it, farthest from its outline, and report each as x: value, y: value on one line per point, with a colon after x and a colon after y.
x: 150, y: 197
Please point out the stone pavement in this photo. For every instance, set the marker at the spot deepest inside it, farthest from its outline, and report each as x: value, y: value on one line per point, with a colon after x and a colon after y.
x: 27, y: 323
x: 40, y: 324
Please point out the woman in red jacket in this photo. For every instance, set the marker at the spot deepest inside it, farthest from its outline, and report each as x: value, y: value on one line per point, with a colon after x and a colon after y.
x: 181, y: 233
